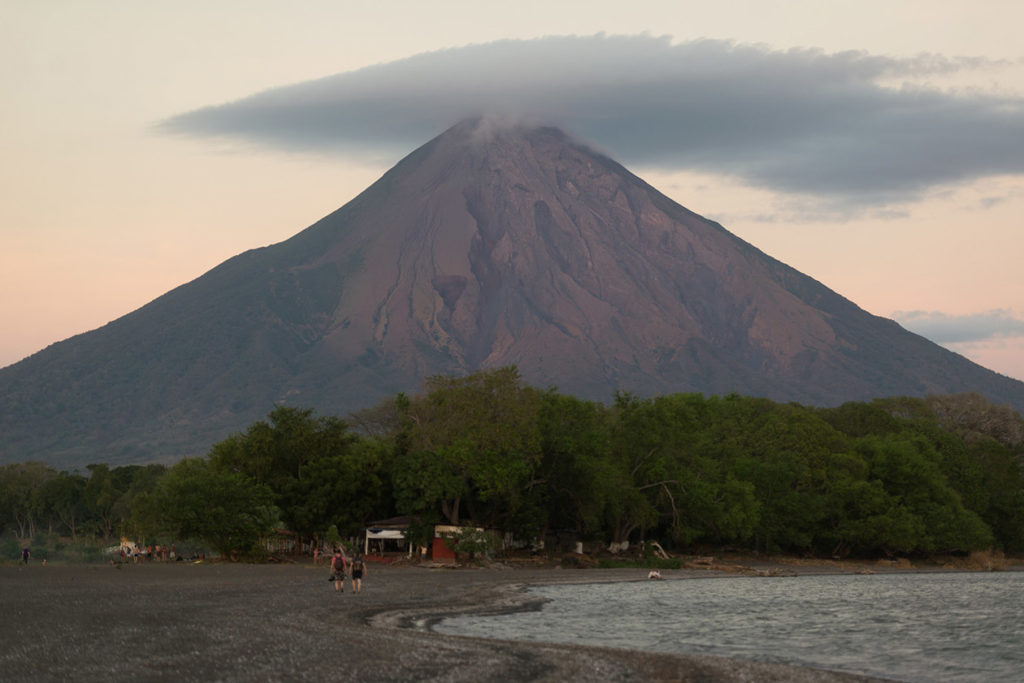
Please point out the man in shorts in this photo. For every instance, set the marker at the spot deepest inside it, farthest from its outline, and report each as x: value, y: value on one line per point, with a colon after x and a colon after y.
x: 338, y: 571
x: 358, y: 569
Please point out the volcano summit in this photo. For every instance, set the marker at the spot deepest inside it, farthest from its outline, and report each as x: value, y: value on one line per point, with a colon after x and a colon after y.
x: 490, y: 245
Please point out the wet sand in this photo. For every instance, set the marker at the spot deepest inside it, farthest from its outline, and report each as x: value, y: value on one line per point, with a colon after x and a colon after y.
x: 284, y: 622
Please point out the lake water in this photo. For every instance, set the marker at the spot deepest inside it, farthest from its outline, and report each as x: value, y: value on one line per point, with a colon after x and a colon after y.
x: 906, y: 627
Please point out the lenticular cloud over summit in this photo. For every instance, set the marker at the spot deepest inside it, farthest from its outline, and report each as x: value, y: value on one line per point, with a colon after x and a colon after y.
x: 798, y: 121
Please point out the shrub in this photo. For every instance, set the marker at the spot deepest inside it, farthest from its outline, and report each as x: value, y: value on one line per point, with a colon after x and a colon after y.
x: 471, y: 542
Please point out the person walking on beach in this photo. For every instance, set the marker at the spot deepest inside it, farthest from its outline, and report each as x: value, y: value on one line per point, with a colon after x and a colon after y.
x: 358, y: 569
x: 338, y: 571
x: 25, y: 554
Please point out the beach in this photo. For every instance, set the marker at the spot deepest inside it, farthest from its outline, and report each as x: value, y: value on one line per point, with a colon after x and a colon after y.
x: 221, y: 621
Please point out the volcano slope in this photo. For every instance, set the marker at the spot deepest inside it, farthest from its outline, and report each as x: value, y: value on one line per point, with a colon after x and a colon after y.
x: 488, y: 246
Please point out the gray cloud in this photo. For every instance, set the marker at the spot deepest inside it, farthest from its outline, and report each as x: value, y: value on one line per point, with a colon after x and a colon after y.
x: 797, y: 121
x: 955, y: 329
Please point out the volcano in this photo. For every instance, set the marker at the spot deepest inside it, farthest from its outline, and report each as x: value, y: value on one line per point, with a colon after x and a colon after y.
x: 490, y: 245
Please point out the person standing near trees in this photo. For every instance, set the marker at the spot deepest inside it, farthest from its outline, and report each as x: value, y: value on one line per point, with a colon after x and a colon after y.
x: 338, y: 571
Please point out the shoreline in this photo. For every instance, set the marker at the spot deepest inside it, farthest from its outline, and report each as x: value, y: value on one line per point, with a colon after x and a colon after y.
x: 235, y: 622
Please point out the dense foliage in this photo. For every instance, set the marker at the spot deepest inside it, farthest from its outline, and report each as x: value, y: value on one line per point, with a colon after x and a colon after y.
x: 893, y: 476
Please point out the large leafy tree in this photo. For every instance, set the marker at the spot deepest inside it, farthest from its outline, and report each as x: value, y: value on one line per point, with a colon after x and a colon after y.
x: 307, y: 462
x: 60, y: 500
x: 100, y: 498
x: 18, y: 483
x: 472, y: 440
x: 787, y: 457
x: 227, y: 510
x: 643, y: 468
x: 1002, y: 480
x: 274, y: 451
x: 652, y: 446
x: 921, y: 504
x: 133, y: 481
x: 341, y: 490
x: 576, y: 469
x: 717, y: 505
x: 975, y: 445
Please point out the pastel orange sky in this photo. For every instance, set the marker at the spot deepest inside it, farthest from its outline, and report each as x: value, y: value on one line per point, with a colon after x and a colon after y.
x: 100, y: 212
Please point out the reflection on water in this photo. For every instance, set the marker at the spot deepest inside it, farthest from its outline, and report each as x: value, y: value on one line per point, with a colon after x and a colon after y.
x: 909, y: 627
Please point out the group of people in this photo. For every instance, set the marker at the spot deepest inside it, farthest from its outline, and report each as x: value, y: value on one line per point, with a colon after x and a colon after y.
x: 341, y: 567
x: 138, y: 554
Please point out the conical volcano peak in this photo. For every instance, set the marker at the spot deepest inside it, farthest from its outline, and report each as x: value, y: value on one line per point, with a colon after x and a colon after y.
x: 489, y: 129
x: 499, y: 242
x: 504, y: 140
x: 504, y: 242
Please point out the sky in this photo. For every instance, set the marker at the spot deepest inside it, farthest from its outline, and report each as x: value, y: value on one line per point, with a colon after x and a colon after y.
x: 877, y: 146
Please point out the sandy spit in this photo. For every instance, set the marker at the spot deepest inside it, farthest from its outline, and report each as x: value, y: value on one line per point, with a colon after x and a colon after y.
x: 284, y: 622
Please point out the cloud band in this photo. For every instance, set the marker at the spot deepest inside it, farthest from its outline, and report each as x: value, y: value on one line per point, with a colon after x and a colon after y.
x: 795, y: 121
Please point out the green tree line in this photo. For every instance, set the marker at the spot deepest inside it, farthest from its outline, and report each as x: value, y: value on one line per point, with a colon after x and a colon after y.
x: 891, y: 476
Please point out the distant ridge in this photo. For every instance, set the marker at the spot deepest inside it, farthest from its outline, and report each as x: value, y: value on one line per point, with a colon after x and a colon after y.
x: 490, y: 245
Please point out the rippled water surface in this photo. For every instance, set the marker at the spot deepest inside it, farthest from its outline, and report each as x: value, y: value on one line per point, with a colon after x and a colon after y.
x: 908, y: 627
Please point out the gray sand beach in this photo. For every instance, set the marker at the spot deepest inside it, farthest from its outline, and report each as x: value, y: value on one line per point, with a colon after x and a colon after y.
x: 284, y: 622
